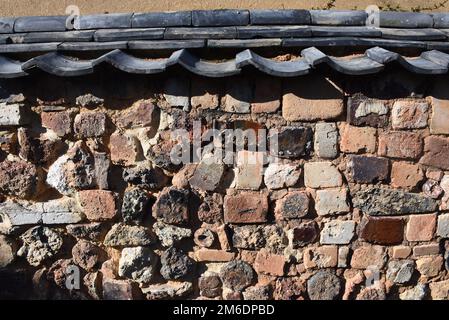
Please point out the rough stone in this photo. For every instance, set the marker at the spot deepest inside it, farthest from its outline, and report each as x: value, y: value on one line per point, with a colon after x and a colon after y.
x: 303, y: 234
x: 135, y: 205
x: 87, y: 255
x: 322, y: 175
x: 432, y: 189
x: 144, y: 176
x: 381, y: 202
x: 211, y: 209
x: 90, y: 124
x: 59, y: 122
x: 237, y: 275
x: 172, y: 206
x: 363, y: 111
x: 98, y: 205
x: 7, y: 251
x: 269, y: 263
x: 358, y: 139
x: 429, y: 266
x: 39, y: 244
x: 248, y: 173
x: 436, y: 150
x: 205, y: 94
x: 143, y: 113
x: 298, y: 106
x: 245, y: 207
x: 120, y: 290
x: 293, y: 205
x: 440, y: 112
x: 371, y: 294
x: 13, y: 115
x: 331, y: 202
x: 439, y: 290
x: 400, y: 145
x: 324, y: 285
x: 418, y: 292
x: 326, y: 140
x: 400, y: 271
x: 210, y: 286
x: 176, y: 264
x: 409, y: 114
x: 18, y: 178
x: 278, y: 175
x: 364, y: 169
x: 208, y: 174
x: 443, y: 226
x: 421, y: 227
x: 169, y: 235
x: 258, y: 292
x: 321, y: 257
x: 290, y: 142
x: 125, y: 149
x: 169, y: 290
x: 91, y: 231
x: 367, y: 256
x: 289, y: 288
x: 89, y: 101
x: 406, y: 175
x: 92, y: 281
x: 122, y: 235
x: 73, y: 171
x: 337, y: 232
x: 138, y: 264
x: 259, y: 236
x: 380, y: 230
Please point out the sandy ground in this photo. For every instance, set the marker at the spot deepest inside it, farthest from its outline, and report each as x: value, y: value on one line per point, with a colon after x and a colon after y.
x: 57, y: 7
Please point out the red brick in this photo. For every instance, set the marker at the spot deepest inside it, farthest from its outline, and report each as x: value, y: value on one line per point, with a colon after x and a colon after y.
x: 321, y: 257
x: 98, y: 205
x: 386, y: 231
x: 426, y: 250
x: 125, y: 149
x: 402, y: 145
x: 120, y: 290
x: 213, y: 255
x: 421, y: 227
x: 140, y: 114
x: 436, y: 152
x: 358, y: 139
x: 406, y: 175
x: 269, y: 263
x: 298, y: 103
x: 245, y: 207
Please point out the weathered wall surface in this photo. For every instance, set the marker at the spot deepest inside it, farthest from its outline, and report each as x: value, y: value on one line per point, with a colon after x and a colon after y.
x: 57, y: 7
x: 356, y: 207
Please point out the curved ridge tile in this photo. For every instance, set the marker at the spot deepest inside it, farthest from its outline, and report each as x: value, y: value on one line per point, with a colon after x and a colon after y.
x: 274, y: 68
x: 422, y: 66
x: 437, y: 57
x: 60, y: 65
x: 201, y: 67
x: 131, y: 64
x: 381, y: 55
x: 10, y: 68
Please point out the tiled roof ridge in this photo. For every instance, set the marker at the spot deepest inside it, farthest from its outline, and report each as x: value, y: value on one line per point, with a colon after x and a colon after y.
x: 223, y: 17
x: 226, y: 28
x: 372, y: 61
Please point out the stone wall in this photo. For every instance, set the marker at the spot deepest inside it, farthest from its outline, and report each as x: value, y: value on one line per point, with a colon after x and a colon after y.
x: 354, y: 208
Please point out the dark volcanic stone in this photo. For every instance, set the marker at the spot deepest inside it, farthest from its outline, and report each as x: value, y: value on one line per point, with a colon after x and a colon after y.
x: 210, y: 286
x: 368, y: 169
x: 293, y: 142
x: 305, y: 233
x: 145, y: 177
x: 176, y: 264
x: 383, y: 202
x: 237, y: 275
x: 172, y: 206
x: 135, y: 205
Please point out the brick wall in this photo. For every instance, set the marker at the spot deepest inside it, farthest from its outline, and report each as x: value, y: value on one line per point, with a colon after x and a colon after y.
x: 355, y: 207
